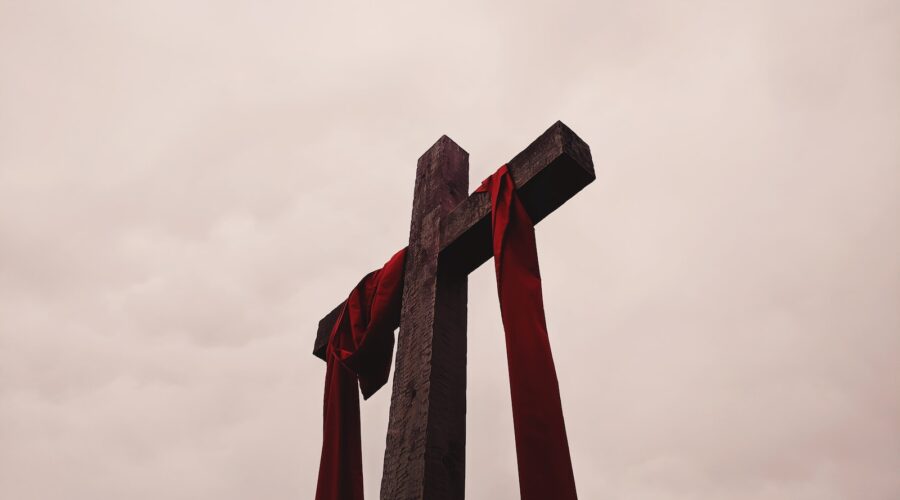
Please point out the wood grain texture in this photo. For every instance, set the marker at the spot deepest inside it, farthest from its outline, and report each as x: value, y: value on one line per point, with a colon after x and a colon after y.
x: 552, y: 169
x: 425, y: 452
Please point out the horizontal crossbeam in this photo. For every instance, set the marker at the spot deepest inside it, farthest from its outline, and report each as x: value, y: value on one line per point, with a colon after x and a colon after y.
x: 552, y: 169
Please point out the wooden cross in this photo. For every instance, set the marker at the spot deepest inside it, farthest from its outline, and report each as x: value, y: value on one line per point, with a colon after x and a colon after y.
x: 450, y: 236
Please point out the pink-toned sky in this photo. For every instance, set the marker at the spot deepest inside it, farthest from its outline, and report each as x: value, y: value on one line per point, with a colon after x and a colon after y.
x: 187, y: 186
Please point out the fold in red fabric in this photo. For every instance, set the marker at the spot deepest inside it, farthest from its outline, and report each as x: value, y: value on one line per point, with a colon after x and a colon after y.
x: 361, y: 344
x: 542, y: 448
x: 358, y: 353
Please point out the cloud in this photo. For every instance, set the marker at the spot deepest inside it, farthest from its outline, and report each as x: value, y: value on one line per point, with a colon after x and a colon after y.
x: 187, y: 187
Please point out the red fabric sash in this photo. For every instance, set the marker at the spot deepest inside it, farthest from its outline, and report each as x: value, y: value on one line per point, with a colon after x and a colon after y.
x: 361, y: 344
x: 359, y: 351
x: 542, y: 449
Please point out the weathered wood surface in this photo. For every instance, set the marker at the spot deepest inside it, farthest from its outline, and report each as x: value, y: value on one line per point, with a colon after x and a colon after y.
x: 547, y: 173
x: 425, y: 452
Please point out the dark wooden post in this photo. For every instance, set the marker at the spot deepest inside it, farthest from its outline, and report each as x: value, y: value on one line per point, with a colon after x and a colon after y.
x: 425, y: 453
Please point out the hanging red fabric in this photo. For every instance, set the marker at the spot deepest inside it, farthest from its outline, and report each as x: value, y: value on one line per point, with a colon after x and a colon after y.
x: 358, y: 353
x: 542, y: 448
x: 361, y: 344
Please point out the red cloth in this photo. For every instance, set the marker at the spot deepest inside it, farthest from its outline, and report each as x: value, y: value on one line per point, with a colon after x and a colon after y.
x: 542, y: 449
x: 361, y: 343
x: 359, y: 352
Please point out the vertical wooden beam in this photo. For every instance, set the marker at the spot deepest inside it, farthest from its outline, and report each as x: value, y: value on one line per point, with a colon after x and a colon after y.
x: 425, y: 453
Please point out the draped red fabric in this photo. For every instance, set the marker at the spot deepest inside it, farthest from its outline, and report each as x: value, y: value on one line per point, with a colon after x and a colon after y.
x: 542, y: 448
x: 361, y: 343
x: 358, y: 353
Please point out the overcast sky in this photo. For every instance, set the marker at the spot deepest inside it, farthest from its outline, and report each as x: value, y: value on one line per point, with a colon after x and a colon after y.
x: 186, y: 187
